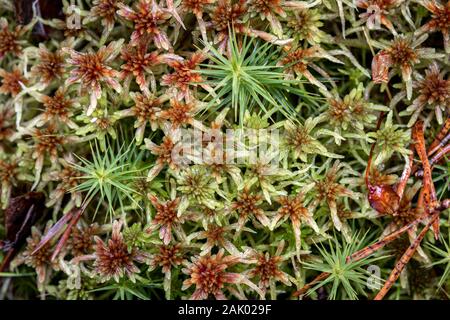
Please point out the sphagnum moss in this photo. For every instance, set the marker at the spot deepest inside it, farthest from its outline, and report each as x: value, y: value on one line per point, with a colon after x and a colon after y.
x: 94, y: 114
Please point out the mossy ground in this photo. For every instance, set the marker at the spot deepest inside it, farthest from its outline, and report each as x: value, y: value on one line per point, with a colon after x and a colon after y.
x: 95, y: 98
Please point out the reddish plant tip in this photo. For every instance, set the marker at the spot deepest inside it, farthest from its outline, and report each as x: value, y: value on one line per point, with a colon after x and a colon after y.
x: 11, y: 81
x: 215, y: 234
x: 296, y: 60
x: 50, y: 66
x: 147, y: 18
x: 382, y: 4
x: 164, y: 151
x: 40, y: 260
x: 113, y: 259
x: 167, y: 257
x: 179, y: 113
x: 196, y: 6
x: 267, y: 268
x: 208, y: 274
x: 401, y: 52
x: 6, y: 125
x: 434, y: 89
x: 57, y: 106
x: 7, y: 170
x: 90, y: 69
x: 137, y: 62
x: 184, y: 75
x: 440, y: 17
x: 82, y: 241
x: 146, y: 108
x: 292, y: 207
x: 106, y: 9
x: 266, y: 7
x: 48, y: 141
x: 166, y: 217
x: 247, y: 203
x: 228, y: 14
x: 9, y: 40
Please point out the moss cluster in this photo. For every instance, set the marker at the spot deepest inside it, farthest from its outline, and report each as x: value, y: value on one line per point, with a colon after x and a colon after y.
x: 98, y: 97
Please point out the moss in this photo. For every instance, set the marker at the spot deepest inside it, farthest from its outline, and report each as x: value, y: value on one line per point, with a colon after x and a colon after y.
x: 226, y: 135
